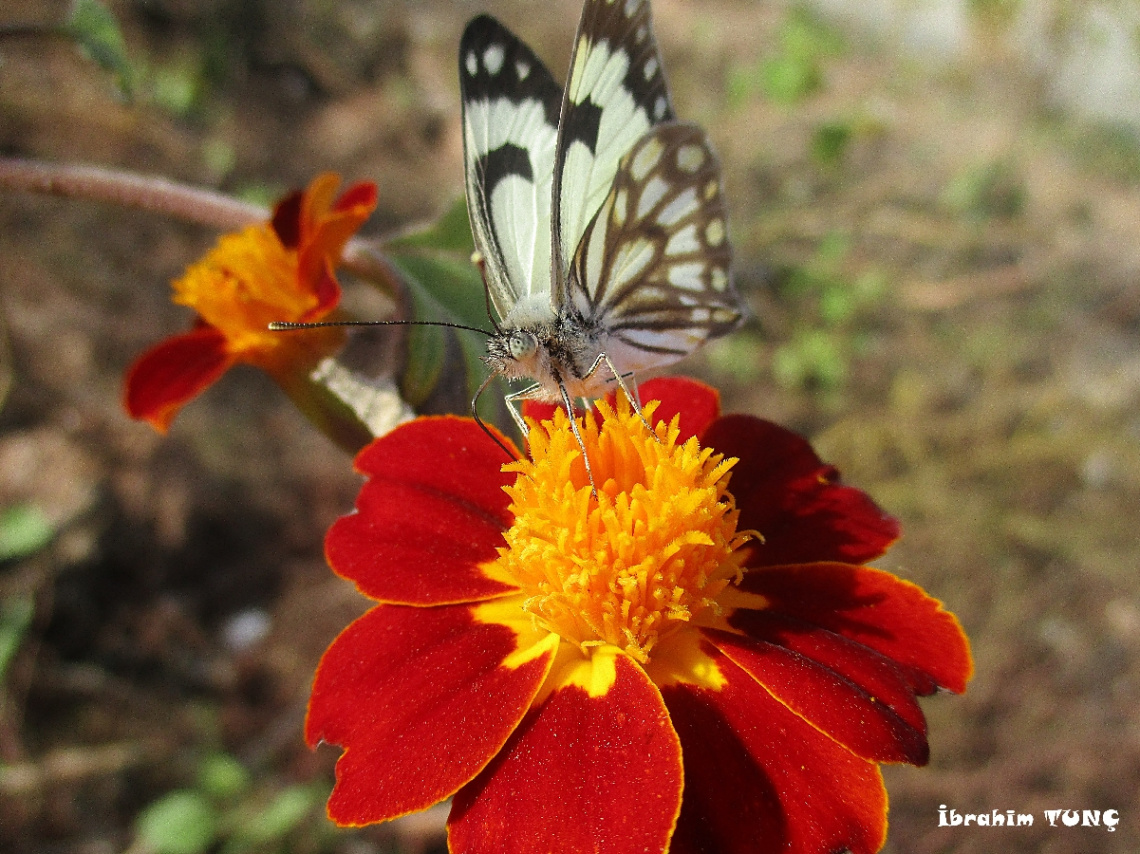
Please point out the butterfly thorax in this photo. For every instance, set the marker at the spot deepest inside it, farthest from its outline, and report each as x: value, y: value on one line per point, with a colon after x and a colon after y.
x: 558, y: 350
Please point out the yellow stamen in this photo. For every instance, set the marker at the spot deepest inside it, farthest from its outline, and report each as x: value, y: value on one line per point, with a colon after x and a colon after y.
x: 646, y: 557
x: 247, y: 280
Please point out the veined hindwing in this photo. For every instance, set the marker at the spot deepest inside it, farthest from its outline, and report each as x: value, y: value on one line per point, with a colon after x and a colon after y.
x: 653, y: 267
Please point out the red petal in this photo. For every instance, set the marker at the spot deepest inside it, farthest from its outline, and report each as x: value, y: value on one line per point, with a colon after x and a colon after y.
x: 327, y: 290
x: 286, y: 221
x: 432, y: 511
x: 420, y: 700
x: 326, y: 225
x: 538, y: 410
x: 794, y: 500
x: 761, y: 780
x: 876, y: 675
x: 173, y: 372
x: 876, y: 609
x: 582, y: 775
x: 362, y: 194
x: 696, y: 403
x: 828, y: 700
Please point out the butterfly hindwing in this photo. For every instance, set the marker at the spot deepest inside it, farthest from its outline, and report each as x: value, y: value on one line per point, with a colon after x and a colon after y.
x: 615, y: 91
x: 510, y: 126
x: 653, y: 267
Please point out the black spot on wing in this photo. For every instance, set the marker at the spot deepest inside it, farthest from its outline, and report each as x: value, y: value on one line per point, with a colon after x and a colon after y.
x: 582, y: 125
x: 504, y: 161
x: 516, y: 73
x: 630, y: 29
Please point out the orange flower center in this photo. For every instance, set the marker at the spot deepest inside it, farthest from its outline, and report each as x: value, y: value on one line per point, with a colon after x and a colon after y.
x: 649, y: 554
x: 246, y: 281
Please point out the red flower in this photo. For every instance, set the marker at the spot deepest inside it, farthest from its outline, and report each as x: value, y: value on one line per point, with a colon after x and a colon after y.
x: 668, y: 666
x: 278, y: 270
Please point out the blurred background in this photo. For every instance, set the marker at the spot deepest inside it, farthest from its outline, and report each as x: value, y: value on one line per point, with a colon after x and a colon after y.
x: 936, y: 214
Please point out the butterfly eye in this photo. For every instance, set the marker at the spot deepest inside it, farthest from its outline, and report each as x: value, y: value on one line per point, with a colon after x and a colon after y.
x: 523, y: 345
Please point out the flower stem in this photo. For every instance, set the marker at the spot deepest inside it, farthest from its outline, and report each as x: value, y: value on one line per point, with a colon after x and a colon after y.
x: 365, y: 259
x: 145, y: 192
x: 362, y: 257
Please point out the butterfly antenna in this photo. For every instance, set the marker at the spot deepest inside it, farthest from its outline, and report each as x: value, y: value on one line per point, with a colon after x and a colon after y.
x: 286, y: 325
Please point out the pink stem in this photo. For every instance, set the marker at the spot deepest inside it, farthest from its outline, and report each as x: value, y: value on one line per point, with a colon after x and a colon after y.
x: 181, y: 201
x: 146, y: 192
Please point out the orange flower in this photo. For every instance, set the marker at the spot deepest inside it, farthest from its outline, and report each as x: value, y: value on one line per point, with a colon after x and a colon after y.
x: 277, y: 270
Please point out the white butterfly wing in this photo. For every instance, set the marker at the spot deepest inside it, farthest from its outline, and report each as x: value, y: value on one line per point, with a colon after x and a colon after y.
x: 510, y: 129
x: 616, y: 91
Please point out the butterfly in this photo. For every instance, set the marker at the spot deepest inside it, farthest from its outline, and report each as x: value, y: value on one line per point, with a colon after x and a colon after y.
x: 599, y: 220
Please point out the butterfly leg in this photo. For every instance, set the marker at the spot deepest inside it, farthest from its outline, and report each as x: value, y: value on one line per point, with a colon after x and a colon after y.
x: 529, y: 391
x: 516, y: 397
x: 632, y: 397
x: 569, y: 404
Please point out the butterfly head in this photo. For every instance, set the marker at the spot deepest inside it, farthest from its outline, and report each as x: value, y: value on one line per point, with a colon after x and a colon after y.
x: 514, y: 353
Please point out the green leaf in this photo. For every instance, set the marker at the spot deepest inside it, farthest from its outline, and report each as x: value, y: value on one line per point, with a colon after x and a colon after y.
x: 986, y: 191
x: 222, y: 777
x: 443, y: 289
x: 177, y: 89
x: 455, y: 285
x: 805, y: 34
x: 836, y: 305
x: 794, y: 69
x: 450, y: 233
x: 830, y: 142
x: 789, y: 79
x: 181, y: 822
x: 97, y: 34
x: 16, y: 614
x: 259, y: 826
x: 24, y: 529
x: 813, y: 356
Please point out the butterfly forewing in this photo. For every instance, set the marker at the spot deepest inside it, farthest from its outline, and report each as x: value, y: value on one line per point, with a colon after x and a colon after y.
x: 615, y: 92
x: 510, y: 129
x: 653, y: 267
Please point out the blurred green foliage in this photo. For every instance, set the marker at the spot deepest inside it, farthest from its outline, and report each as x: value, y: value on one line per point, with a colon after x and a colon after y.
x: 225, y: 811
x: 16, y: 614
x: 795, y: 69
x: 828, y: 304
x: 1000, y: 12
x: 24, y: 529
x: 830, y: 142
x: 177, y: 87
x: 986, y: 191
x: 181, y: 822
x: 96, y: 32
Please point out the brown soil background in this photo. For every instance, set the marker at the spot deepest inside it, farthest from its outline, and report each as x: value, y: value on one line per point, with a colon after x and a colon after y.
x: 993, y: 405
